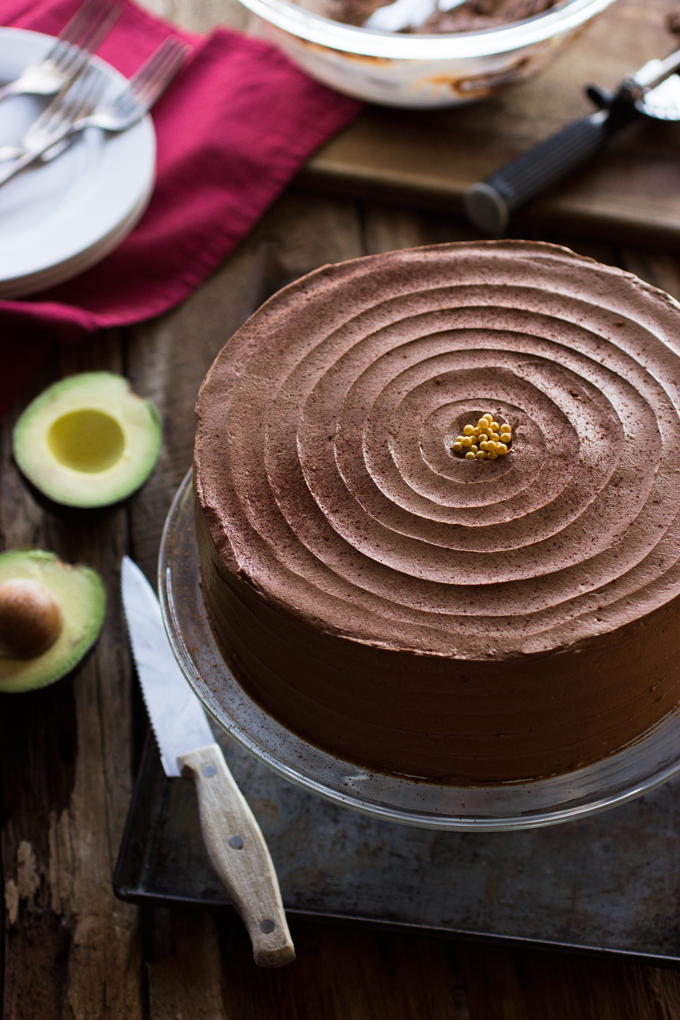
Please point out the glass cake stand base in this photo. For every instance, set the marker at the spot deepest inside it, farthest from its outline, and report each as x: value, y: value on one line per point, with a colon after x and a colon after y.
x: 638, y: 768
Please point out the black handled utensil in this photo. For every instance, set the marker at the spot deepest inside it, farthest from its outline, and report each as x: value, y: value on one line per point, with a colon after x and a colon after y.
x: 653, y: 91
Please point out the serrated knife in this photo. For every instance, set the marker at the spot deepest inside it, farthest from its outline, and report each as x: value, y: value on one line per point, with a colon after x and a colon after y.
x: 232, y: 836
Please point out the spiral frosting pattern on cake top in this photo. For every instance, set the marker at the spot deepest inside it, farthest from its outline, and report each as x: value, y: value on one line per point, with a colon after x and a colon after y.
x: 327, y: 480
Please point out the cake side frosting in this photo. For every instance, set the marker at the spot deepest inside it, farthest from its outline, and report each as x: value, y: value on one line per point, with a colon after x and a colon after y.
x: 477, y: 599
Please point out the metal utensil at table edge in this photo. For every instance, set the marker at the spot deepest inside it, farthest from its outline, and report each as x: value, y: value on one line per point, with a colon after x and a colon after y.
x: 653, y: 91
x: 235, y: 844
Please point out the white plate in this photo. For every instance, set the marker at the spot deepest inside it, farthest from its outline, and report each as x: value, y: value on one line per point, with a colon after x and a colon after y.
x: 59, y: 219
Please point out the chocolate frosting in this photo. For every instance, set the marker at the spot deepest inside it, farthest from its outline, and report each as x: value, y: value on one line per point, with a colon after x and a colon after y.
x: 392, y: 600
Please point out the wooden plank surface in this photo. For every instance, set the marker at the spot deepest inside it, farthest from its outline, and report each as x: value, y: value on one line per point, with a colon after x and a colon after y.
x: 70, y: 948
x: 67, y: 754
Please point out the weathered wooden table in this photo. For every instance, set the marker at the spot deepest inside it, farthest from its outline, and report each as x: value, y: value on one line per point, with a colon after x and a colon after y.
x: 68, y: 754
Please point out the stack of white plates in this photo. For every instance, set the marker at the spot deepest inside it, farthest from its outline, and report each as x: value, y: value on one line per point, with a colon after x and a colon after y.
x: 59, y: 218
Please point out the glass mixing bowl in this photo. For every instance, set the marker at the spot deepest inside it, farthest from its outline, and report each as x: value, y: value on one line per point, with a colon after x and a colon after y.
x: 402, y: 69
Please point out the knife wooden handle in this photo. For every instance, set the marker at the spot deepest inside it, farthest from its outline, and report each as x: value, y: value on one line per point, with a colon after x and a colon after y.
x: 239, y: 855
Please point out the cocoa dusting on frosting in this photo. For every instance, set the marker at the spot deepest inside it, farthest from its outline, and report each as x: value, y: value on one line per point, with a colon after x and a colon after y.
x: 401, y: 606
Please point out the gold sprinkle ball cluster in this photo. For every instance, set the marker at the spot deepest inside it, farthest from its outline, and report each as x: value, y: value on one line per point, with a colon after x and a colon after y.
x: 486, y: 440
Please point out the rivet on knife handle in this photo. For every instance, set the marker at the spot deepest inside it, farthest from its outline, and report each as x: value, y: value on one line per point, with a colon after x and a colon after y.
x: 239, y: 855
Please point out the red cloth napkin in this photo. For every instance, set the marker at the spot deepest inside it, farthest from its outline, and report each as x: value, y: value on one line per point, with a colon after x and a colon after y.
x: 233, y: 128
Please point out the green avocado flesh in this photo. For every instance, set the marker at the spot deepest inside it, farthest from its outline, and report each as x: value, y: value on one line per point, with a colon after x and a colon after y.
x: 82, y: 600
x: 88, y: 440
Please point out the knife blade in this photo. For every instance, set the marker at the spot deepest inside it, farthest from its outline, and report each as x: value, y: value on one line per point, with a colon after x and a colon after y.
x: 653, y: 91
x: 233, y: 838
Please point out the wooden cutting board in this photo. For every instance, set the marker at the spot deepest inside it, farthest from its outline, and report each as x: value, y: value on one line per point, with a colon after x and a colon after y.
x: 428, y: 158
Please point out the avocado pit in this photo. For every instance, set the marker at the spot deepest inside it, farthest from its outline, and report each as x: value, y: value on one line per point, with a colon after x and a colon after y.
x: 30, y: 619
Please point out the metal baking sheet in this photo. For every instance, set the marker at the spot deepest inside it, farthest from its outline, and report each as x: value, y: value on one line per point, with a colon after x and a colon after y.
x: 608, y: 884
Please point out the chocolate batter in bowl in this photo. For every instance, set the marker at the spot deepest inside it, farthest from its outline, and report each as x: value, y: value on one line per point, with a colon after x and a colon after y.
x: 472, y: 51
x: 469, y: 16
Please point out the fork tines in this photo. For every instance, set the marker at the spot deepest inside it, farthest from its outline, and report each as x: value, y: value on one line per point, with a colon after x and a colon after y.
x: 86, y: 30
x: 154, y: 76
x: 76, y: 99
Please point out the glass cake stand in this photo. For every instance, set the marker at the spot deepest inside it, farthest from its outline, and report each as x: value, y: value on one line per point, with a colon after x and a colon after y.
x: 652, y: 760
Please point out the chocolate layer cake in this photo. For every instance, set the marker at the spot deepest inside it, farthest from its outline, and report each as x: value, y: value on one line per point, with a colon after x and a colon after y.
x: 469, y: 621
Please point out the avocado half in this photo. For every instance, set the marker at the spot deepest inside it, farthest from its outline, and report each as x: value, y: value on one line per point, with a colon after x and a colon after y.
x: 88, y: 440
x: 81, y: 597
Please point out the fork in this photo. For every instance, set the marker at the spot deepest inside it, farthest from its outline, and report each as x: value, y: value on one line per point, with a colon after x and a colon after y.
x: 56, y: 117
x: 55, y: 131
x: 146, y: 86
x: 74, y: 102
x: 81, y: 36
